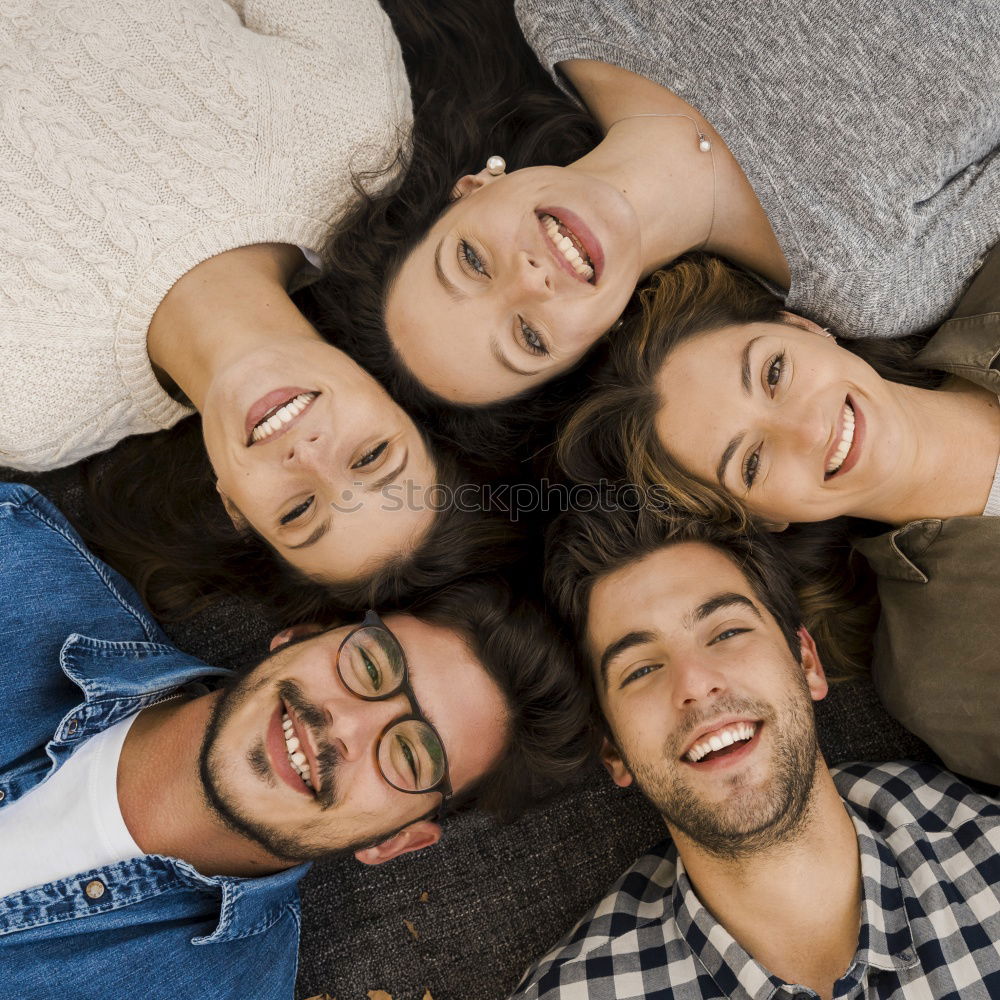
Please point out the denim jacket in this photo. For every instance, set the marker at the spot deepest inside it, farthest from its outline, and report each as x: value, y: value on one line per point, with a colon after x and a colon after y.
x: 79, y: 653
x: 936, y: 663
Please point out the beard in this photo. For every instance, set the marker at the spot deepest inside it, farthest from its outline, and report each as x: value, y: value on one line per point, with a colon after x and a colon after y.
x: 752, y: 819
x: 213, y: 763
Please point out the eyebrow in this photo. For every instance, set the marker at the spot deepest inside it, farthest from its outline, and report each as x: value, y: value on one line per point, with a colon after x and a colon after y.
x: 449, y: 286
x: 501, y: 357
x: 745, y: 364
x: 380, y: 484
x: 717, y: 603
x: 314, y: 537
x: 746, y: 381
x: 628, y: 641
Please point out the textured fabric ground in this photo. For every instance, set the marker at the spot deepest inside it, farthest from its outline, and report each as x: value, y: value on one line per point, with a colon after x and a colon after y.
x: 497, y: 898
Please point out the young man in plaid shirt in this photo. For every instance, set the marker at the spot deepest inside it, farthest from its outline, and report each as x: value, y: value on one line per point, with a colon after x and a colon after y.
x: 781, y: 878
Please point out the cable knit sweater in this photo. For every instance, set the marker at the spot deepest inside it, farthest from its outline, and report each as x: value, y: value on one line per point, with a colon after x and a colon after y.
x: 137, y: 140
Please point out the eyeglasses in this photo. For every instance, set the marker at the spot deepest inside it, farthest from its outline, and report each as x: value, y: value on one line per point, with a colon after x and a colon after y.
x: 410, y: 754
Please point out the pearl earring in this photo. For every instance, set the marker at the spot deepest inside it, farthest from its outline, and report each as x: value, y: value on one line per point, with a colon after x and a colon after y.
x: 496, y: 165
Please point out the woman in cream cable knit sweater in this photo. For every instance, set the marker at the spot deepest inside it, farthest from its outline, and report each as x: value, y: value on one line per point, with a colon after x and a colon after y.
x: 163, y: 168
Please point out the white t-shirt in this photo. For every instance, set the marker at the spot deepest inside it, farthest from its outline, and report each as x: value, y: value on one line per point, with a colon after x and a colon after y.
x: 71, y: 822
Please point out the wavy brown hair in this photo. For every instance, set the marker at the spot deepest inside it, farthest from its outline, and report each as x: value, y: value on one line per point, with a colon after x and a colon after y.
x: 612, y: 435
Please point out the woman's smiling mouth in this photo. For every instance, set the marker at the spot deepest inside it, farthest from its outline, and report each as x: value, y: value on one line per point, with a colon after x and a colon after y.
x: 571, y: 242
x: 274, y: 413
x: 566, y: 244
x: 844, y: 453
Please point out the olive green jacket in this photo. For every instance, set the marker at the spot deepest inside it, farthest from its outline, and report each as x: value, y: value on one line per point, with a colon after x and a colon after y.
x: 937, y: 649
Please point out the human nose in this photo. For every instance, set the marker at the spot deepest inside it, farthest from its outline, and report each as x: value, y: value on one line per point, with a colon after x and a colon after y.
x: 530, y: 276
x: 801, y: 428
x: 355, y: 726
x: 695, y: 681
x: 312, y: 452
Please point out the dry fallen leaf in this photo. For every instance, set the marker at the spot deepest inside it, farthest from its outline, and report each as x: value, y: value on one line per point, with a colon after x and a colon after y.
x: 322, y: 996
x: 379, y: 995
x: 411, y: 927
x: 425, y: 897
x: 427, y: 996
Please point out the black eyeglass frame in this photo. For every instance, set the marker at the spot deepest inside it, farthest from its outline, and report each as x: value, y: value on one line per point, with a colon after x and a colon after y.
x: 371, y: 620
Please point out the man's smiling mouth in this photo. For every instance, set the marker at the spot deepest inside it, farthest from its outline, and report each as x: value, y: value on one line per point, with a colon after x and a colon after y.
x: 721, y: 742
x: 298, y: 760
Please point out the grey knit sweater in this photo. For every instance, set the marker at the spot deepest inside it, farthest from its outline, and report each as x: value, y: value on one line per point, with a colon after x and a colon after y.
x: 869, y: 131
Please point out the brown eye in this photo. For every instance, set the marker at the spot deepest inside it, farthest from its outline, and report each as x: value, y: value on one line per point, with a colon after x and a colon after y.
x: 371, y: 456
x: 774, y: 371
x: 296, y: 512
x: 750, y: 467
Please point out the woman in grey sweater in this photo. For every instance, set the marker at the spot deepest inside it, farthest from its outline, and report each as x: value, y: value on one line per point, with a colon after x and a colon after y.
x: 842, y: 153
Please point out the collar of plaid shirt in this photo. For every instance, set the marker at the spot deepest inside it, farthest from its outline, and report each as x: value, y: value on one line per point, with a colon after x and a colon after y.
x: 885, y: 940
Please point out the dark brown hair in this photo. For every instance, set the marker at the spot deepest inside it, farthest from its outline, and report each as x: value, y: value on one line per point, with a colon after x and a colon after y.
x: 549, y: 736
x: 153, y: 513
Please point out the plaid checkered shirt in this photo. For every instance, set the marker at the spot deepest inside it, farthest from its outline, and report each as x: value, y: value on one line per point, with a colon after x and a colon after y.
x: 930, y: 912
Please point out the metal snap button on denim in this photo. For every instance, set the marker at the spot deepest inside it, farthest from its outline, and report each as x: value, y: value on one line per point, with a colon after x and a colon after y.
x: 95, y: 889
x: 3, y: 795
x: 71, y: 727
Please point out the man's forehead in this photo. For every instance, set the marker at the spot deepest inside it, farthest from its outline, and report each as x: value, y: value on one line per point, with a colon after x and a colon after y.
x: 661, y: 591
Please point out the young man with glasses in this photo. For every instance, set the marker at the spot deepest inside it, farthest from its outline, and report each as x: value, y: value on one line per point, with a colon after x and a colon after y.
x: 781, y: 878
x: 155, y: 811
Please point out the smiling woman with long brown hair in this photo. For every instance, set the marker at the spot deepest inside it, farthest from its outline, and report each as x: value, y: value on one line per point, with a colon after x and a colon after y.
x: 167, y: 187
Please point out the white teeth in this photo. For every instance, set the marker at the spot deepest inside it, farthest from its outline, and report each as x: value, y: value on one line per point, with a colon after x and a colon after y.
x: 724, y: 738
x: 567, y: 248
x: 846, y: 440
x: 298, y: 760
x: 282, y: 416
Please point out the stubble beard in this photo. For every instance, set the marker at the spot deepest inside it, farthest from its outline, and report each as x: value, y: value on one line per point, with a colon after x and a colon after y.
x: 753, y: 820
x: 212, y: 768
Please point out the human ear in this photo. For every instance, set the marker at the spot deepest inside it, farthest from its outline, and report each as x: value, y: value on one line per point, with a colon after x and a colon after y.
x: 286, y: 635
x: 775, y: 526
x: 612, y: 760
x: 794, y: 319
x: 812, y: 667
x: 472, y: 182
x: 240, y: 523
x: 414, y: 837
